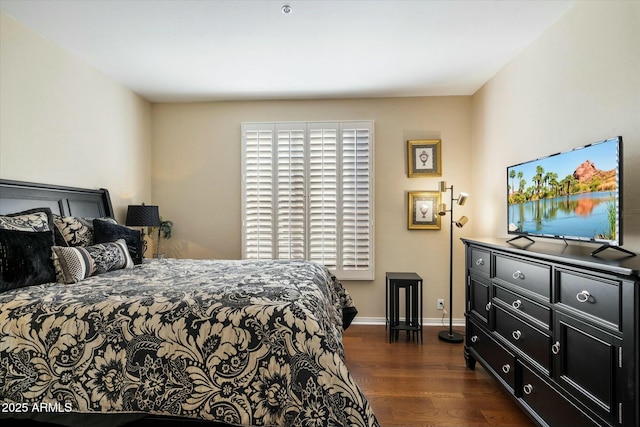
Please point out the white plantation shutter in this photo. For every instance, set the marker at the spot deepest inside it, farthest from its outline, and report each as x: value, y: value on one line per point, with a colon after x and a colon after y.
x: 308, y: 194
x: 258, y: 194
x: 290, y: 200
x: 356, y: 200
x: 323, y: 194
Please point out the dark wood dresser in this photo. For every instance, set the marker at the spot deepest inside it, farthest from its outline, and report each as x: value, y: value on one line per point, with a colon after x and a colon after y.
x: 557, y: 327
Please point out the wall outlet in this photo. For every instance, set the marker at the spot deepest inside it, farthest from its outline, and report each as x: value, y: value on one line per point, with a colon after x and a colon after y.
x: 440, y: 304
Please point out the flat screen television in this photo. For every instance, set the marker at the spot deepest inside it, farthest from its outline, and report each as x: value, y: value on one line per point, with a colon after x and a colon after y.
x: 573, y: 195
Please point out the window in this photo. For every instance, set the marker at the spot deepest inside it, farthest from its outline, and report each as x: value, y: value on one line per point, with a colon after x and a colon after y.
x: 308, y: 194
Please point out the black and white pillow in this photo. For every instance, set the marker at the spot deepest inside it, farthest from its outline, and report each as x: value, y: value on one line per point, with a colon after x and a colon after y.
x: 76, y: 231
x: 106, y: 231
x: 75, y: 264
x: 38, y: 219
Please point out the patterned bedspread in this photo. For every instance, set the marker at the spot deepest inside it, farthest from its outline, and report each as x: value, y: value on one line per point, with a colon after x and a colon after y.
x: 247, y: 343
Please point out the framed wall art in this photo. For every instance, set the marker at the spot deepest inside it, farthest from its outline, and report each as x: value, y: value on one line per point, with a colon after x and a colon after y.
x: 423, y: 213
x: 424, y: 158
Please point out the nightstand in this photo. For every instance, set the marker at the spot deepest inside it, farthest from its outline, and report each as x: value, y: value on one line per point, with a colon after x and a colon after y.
x: 412, y: 323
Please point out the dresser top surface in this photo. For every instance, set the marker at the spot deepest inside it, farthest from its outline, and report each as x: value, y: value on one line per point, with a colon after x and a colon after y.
x: 609, y: 260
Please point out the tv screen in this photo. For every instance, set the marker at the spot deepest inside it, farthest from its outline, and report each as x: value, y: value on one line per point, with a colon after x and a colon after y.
x: 573, y: 195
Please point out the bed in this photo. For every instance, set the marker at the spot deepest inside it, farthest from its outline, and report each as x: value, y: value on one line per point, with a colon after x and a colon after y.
x: 114, y: 339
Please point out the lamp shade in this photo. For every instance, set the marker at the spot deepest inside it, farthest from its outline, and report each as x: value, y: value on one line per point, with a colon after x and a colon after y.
x: 143, y: 216
x: 462, y: 221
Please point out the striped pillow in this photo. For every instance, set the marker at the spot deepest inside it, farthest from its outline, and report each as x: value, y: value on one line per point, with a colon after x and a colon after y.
x: 74, y: 264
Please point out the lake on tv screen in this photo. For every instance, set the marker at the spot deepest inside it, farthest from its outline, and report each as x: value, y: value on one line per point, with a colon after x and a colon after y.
x: 584, y: 215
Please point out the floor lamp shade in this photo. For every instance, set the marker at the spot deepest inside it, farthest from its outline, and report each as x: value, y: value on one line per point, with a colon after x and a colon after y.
x: 143, y: 216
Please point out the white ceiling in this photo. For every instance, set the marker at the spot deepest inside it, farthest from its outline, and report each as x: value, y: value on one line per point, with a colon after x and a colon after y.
x: 172, y: 50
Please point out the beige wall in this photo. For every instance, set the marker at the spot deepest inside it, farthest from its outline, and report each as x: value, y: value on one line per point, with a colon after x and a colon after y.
x: 577, y: 84
x: 62, y: 122
x: 197, y: 178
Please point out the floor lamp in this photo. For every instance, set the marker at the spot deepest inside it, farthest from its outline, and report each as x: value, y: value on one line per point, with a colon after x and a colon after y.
x: 449, y: 335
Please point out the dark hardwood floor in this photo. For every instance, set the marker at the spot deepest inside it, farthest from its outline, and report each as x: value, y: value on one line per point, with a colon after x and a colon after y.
x: 414, y: 385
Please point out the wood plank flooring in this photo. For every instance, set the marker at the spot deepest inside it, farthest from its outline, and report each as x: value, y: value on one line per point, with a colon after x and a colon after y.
x: 414, y: 385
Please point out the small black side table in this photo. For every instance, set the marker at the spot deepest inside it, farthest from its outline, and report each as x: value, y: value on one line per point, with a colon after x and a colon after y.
x: 412, y: 284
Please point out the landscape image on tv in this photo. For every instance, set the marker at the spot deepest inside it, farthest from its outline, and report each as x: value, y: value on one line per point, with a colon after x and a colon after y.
x: 571, y: 195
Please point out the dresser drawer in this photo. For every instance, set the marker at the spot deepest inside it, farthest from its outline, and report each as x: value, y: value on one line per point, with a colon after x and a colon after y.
x: 523, y: 305
x: 534, y: 343
x: 595, y: 296
x: 480, y: 261
x: 499, y: 360
x: 549, y: 404
x: 527, y: 275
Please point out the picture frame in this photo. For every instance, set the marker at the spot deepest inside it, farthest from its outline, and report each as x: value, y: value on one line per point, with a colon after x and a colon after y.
x: 424, y: 158
x: 423, y: 210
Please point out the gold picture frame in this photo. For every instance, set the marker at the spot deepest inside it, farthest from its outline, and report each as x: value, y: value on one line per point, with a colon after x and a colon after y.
x: 424, y: 158
x: 423, y: 207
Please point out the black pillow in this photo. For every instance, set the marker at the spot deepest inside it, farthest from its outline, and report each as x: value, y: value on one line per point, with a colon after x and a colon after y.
x: 106, y: 232
x: 25, y: 259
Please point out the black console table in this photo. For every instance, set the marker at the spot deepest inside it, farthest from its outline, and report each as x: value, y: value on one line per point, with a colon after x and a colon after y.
x: 412, y: 284
x: 558, y: 328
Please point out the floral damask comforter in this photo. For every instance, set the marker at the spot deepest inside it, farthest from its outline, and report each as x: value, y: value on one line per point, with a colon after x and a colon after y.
x: 246, y: 343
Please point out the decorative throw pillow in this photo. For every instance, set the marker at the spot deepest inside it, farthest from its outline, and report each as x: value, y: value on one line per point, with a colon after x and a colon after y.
x: 57, y: 235
x: 25, y: 258
x: 76, y: 231
x: 105, y: 232
x: 75, y: 264
x: 38, y: 219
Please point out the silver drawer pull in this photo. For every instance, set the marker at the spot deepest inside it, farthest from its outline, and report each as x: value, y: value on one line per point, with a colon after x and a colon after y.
x: 506, y: 368
x: 479, y: 261
x: 555, y: 349
x: 516, y: 304
x: 528, y: 389
x: 518, y: 275
x: 583, y: 296
x: 474, y: 338
x: 488, y: 306
x: 516, y: 335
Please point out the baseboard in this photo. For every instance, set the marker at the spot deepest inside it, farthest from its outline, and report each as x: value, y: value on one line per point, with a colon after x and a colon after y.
x: 433, y: 321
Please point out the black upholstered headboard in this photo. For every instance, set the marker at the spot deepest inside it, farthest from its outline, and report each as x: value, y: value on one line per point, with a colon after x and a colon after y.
x: 18, y: 196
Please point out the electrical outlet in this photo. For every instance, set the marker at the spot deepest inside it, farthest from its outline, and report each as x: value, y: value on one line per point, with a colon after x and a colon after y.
x: 440, y: 304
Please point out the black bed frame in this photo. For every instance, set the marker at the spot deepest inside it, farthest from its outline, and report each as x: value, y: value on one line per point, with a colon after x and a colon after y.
x: 18, y: 196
